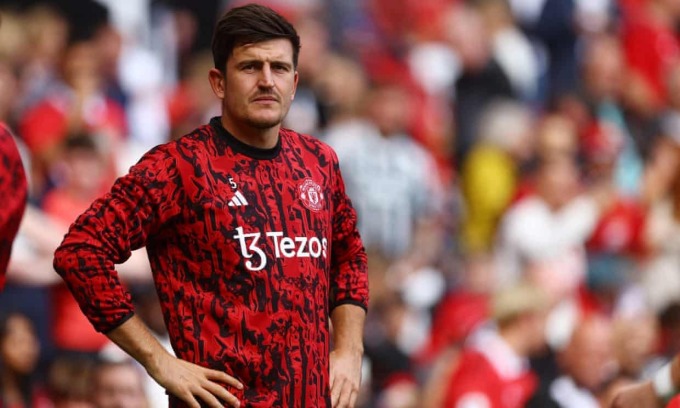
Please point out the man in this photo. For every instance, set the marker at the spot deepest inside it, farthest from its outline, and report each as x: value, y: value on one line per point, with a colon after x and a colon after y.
x: 118, y: 385
x: 252, y: 241
x: 13, y: 193
x: 654, y: 393
x: 586, y: 366
x: 493, y: 370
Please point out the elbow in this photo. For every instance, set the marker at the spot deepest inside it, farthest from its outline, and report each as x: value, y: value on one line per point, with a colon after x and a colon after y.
x: 63, y: 260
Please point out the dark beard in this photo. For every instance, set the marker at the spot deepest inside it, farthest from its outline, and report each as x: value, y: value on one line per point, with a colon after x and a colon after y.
x: 264, y: 124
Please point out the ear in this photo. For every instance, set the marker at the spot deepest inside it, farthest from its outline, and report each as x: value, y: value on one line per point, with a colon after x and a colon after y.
x: 217, y: 82
x: 295, y: 83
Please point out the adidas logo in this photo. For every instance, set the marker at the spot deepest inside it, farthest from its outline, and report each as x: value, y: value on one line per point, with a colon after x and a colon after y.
x: 238, y: 200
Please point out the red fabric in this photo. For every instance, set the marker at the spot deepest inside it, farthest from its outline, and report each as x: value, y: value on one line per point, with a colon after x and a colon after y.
x: 250, y: 251
x: 458, y: 315
x: 45, y: 125
x: 13, y: 195
x: 398, y: 20
x: 674, y: 403
x: 475, y: 375
x: 650, y: 51
x: 620, y: 229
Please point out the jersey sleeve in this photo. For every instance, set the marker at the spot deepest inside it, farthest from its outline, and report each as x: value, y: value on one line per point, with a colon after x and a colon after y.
x: 13, y: 194
x: 116, y: 224
x: 349, y: 276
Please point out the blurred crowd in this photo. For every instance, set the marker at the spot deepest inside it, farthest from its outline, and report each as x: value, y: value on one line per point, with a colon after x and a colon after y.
x: 515, y: 166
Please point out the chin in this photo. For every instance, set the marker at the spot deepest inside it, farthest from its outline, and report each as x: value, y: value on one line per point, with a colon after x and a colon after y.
x: 264, y: 123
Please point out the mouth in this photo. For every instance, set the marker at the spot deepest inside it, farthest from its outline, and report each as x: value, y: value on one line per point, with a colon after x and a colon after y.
x: 266, y: 99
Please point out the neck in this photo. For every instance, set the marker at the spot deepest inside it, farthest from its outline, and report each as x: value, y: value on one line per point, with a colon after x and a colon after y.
x: 260, y: 138
x: 514, y: 339
x: 10, y: 388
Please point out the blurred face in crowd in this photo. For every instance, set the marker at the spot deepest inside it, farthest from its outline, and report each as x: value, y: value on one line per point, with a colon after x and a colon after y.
x: 604, y: 67
x: 85, y: 170
x: 469, y: 37
x: 557, y: 137
x: 588, y: 358
x: 634, y: 342
x: 389, y: 109
x: 80, y: 67
x: 118, y: 386
x: 257, y: 87
x: 558, y: 181
x: 47, y: 31
x: 344, y: 85
x: 19, y: 347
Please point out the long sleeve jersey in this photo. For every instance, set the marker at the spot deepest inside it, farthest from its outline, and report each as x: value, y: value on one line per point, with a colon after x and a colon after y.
x: 13, y: 193
x: 250, y: 251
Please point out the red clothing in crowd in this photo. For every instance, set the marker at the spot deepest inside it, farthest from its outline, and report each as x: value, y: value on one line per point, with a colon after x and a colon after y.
x: 13, y: 194
x: 489, y: 374
x: 250, y: 250
x: 46, y: 125
x: 650, y: 49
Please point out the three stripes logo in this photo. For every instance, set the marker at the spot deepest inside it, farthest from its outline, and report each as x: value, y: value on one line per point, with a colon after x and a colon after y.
x: 238, y: 200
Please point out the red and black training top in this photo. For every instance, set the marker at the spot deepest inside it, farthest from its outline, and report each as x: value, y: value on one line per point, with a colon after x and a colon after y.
x: 250, y: 251
x: 13, y: 195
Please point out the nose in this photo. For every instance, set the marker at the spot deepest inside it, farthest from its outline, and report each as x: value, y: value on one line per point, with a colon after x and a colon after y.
x: 266, y: 78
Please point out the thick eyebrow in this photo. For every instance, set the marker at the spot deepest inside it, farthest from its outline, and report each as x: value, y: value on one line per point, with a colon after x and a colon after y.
x: 259, y: 62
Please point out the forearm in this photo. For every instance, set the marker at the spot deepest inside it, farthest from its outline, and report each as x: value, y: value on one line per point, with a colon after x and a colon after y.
x: 136, y: 339
x: 348, y: 328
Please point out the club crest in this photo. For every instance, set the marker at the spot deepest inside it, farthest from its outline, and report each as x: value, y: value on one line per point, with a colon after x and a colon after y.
x: 311, y: 194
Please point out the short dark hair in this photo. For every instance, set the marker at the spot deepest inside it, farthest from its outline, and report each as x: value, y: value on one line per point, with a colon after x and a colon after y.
x: 250, y: 24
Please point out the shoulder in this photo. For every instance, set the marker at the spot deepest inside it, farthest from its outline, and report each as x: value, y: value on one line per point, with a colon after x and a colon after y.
x: 308, y: 144
x: 178, y: 149
x: 6, y: 139
x: 10, y: 157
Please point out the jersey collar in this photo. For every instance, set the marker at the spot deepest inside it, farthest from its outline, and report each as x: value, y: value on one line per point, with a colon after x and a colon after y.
x: 243, y: 148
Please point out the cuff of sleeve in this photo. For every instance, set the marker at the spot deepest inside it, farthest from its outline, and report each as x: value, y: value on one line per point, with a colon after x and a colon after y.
x: 350, y: 302
x: 117, y: 323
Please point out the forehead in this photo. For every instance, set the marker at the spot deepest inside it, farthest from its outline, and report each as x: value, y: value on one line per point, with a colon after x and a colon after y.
x: 279, y: 49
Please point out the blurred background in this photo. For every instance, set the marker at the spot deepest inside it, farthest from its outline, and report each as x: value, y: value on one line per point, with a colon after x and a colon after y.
x: 515, y: 166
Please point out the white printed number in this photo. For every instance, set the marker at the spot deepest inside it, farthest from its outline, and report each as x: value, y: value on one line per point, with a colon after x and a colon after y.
x: 232, y: 183
x: 284, y: 247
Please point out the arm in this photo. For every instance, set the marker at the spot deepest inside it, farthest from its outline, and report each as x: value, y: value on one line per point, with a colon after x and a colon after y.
x: 346, y: 357
x: 348, y: 299
x: 180, y: 378
x: 13, y: 193
x: 132, y: 213
x: 654, y: 393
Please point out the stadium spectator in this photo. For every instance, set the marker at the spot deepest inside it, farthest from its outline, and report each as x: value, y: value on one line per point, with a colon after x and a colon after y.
x: 493, y: 371
x: 77, y: 105
x: 542, y: 237
x: 19, y: 352
x: 392, y: 180
x: 69, y: 382
x: 118, y: 385
x: 587, y: 364
x: 481, y: 82
x: 490, y: 174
